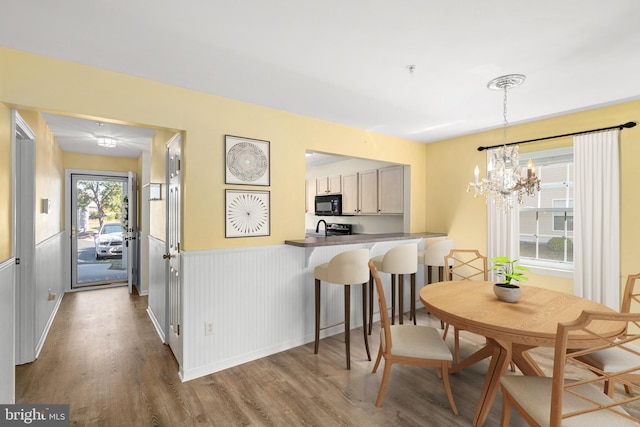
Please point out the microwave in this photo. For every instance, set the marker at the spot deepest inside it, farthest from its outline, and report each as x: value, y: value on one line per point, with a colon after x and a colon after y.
x: 328, y: 204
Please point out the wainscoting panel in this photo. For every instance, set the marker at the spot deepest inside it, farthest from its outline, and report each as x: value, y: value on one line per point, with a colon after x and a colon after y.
x: 7, y: 337
x: 157, y: 286
x: 50, y: 273
x: 259, y: 301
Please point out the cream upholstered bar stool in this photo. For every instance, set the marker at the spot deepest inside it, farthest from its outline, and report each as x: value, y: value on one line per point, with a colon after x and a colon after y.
x: 397, y: 261
x: 433, y: 256
x: 346, y: 269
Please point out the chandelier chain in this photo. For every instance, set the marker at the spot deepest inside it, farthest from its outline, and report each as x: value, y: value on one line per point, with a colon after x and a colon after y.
x: 504, y: 116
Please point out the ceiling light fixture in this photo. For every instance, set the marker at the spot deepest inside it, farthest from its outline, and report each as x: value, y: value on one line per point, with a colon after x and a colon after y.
x: 504, y: 174
x: 106, y: 142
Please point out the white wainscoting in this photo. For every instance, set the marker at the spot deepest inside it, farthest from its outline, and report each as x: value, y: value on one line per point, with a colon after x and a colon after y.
x: 157, y: 286
x: 50, y: 275
x: 260, y: 301
x: 7, y: 332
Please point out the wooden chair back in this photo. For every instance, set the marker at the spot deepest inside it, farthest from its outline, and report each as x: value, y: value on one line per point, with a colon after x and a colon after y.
x: 631, y: 295
x: 577, y: 398
x: 385, y: 322
x: 466, y: 264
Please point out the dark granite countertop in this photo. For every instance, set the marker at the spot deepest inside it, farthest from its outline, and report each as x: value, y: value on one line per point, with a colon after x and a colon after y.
x: 312, y: 242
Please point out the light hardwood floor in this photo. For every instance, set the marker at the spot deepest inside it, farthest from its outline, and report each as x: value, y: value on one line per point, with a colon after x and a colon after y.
x: 104, y: 358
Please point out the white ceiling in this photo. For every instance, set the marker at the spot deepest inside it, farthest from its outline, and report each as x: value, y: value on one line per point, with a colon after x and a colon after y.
x: 81, y: 136
x: 346, y: 61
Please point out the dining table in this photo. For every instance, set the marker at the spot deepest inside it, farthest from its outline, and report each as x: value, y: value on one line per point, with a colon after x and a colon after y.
x: 511, y: 329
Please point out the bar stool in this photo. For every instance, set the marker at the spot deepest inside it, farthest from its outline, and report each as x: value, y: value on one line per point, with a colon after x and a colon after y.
x: 433, y: 256
x: 398, y: 261
x: 346, y: 269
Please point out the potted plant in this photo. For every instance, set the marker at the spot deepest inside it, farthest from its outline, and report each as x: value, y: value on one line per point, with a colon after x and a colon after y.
x: 508, y: 270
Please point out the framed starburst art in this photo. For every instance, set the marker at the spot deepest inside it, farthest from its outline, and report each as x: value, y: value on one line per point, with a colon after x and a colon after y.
x: 246, y: 160
x: 247, y: 213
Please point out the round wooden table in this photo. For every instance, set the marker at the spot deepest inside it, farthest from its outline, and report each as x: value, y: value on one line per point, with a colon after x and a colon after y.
x: 510, y: 328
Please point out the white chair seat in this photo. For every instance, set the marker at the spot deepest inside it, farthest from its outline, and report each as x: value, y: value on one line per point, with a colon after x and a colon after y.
x: 422, y: 342
x: 612, y: 359
x: 534, y: 395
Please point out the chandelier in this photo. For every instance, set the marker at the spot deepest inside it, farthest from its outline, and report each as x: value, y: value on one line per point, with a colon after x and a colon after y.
x: 504, y: 174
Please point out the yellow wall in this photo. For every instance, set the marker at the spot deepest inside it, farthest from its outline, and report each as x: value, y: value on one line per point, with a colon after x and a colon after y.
x: 49, y: 177
x: 47, y: 84
x: 100, y: 163
x: 439, y: 171
x: 450, y: 166
x: 5, y: 183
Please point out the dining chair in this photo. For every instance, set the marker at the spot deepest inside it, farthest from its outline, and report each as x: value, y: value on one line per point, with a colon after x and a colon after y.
x: 464, y: 264
x: 614, y: 359
x: 345, y: 269
x: 562, y: 400
x: 410, y: 345
x: 397, y: 261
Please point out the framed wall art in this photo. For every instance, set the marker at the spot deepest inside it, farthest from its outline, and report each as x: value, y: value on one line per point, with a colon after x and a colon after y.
x: 247, y: 161
x: 247, y: 213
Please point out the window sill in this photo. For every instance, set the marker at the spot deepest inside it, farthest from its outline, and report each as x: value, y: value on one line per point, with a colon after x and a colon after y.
x: 547, y: 269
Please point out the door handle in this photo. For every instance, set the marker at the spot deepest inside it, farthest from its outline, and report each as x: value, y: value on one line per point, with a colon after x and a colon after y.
x: 167, y: 256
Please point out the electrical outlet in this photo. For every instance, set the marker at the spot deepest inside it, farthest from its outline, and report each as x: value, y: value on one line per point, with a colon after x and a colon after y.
x: 208, y: 328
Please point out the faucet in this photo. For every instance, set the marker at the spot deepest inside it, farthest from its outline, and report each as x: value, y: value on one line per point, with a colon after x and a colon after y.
x: 325, y: 227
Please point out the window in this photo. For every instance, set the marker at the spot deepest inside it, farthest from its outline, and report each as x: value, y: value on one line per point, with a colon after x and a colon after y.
x: 546, y: 219
x: 562, y: 219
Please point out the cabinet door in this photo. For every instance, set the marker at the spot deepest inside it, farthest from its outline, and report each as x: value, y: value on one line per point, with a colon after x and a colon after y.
x: 329, y: 185
x: 391, y: 190
x: 368, y: 192
x: 310, y: 205
x: 350, y: 194
x: 334, y: 184
x: 322, y: 186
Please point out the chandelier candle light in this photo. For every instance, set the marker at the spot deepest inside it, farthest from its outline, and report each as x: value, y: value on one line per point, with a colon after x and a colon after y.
x: 504, y: 174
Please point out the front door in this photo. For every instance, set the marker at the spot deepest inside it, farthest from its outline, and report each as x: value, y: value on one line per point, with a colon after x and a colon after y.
x: 98, y: 230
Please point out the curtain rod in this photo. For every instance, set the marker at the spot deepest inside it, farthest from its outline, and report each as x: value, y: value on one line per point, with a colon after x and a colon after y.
x: 622, y: 126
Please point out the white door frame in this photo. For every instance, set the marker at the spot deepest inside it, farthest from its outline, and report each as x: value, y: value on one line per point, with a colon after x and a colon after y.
x: 67, y: 218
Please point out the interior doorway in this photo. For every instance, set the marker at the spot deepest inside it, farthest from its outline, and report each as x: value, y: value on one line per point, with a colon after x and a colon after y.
x: 103, y: 244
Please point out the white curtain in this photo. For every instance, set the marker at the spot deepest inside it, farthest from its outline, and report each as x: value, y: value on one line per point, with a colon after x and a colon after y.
x: 503, y: 237
x: 596, y: 248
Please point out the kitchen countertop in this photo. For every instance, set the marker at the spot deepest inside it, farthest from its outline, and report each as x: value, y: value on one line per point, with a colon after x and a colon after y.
x: 312, y: 242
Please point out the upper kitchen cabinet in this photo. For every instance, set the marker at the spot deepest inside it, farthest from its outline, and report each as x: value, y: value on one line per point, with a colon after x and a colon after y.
x: 368, y: 192
x: 391, y: 190
x: 329, y: 185
x: 311, y: 188
x: 373, y: 192
x: 350, y: 194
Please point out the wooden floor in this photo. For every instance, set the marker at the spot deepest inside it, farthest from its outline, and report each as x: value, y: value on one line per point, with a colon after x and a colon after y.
x: 104, y: 358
